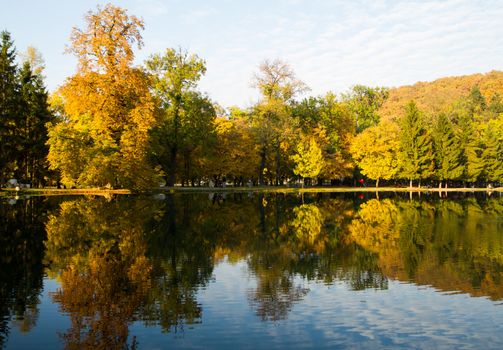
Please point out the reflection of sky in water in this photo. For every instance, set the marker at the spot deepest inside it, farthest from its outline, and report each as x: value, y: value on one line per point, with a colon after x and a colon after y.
x: 329, y: 316
x: 49, y: 323
x: 404, y: 316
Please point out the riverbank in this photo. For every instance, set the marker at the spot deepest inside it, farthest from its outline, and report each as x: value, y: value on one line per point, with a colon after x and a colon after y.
x: 265, y: 189
x: 11, y: 192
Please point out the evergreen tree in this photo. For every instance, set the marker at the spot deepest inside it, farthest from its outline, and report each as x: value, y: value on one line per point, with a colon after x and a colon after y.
x: 492, y: 155
x: 447, y: 151
x: 9, y: 100
x: 416, y: 148
x: 32, y: 150
x: 476, y: 101
x: 495, y: 105
x: 470, y: 145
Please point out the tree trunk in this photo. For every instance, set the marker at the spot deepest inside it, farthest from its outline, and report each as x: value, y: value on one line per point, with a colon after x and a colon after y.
x: 439, y: 184
x: 171, y: 173
x: 263, y: 152
x: 410, y: 183
x: 377, y: 183
x: 278, y: 163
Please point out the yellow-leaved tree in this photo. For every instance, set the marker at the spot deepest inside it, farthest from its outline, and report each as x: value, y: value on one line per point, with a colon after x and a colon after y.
x: 308, y: 160
x: 102, y: 137
x: 375, y: 151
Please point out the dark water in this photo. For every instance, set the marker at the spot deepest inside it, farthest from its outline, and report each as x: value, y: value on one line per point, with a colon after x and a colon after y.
x: 251, y: 271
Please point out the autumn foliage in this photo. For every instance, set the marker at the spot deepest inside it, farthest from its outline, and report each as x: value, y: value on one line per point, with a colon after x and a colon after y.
x: 115, y: 124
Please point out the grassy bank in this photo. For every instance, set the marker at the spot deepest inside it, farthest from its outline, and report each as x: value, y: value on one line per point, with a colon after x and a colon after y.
x: 61, y: 192
x: 265, y: 189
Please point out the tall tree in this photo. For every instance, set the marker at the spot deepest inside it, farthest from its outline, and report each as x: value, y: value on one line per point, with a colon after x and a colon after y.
x: 109, y: 109
x: 448, y: 154
x: 174, y: 74
x: 278, y: 85
x: 32, y: 151
x: 470, y: 139
x: 416, y: 148
x: 9, y: 101
x: 198, y: 135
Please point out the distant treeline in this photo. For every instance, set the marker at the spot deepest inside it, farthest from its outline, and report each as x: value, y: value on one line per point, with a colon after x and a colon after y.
x: 113, y: 124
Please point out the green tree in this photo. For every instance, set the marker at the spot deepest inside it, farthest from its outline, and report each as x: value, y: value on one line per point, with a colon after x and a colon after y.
x: 495, y: 105
x: 35, y: 114
x: 334, y: 133
x: 492, y: 155
x: 109, y: 109
x: 197, y: 135
x: 447, y: 151
x: 174, y: 74
x: 466, y: 129
x: 416, y: 149
x: 375, y: 151
x: 476, y: 102
x: 9, y: 101
x: 364, y: 103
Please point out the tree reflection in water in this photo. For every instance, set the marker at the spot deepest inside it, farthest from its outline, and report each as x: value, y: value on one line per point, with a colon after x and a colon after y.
x: 136, y: 259
x: 21, y: 269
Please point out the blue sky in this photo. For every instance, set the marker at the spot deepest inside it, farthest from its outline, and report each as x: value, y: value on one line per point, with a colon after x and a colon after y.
x: 331, y: 45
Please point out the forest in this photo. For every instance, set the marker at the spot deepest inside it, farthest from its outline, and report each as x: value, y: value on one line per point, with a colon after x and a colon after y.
x: 116, y: 124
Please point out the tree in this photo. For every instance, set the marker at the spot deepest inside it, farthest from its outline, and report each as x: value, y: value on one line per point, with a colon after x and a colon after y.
x: 109, y: 110
x: 197, y: 135
x: 234, y: 155
x: 277, y: 81
x: 375, y: 151
x: 9, y: 101
x: 32, y: 132
x: 278, y: 85
x: 308, y: 160
x: 492, y: 155
x: 416, y: 149
x: 466, y: 129
x: 174, y: 74
x: 35, y: 59
x: 447, y: 151
x: 364, y: 103
x: 333, y: 131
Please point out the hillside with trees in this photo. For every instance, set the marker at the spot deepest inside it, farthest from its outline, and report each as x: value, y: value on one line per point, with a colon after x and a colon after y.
x: 439, y: 96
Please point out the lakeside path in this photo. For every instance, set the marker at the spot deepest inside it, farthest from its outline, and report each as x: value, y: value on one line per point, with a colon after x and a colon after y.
x: 264, y: 189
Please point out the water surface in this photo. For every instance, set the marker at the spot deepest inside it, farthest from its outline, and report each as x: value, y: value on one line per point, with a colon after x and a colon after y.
x: 252, y: 271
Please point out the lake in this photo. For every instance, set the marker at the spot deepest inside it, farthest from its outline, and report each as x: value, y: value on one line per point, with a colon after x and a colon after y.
x: 250, y: 270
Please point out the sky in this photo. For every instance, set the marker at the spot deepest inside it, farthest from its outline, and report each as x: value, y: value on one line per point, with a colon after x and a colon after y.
x: 330, y: 44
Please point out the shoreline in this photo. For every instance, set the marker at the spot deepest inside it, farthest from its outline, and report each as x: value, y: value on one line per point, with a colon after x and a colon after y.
x: 265, y: 189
